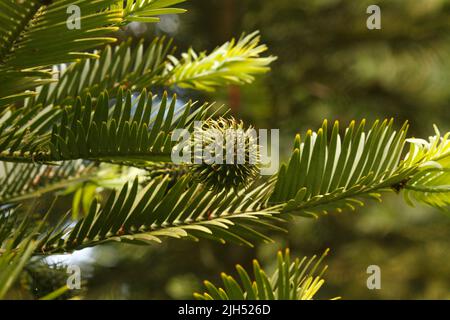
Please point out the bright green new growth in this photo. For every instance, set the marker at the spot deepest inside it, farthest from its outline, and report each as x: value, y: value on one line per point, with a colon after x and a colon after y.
x: 296, y: 280
x: 85, y: 125
x: 432, y: 184
x: 235, y: 62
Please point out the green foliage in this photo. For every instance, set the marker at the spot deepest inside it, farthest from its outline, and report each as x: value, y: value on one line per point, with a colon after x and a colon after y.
x: 121, y: 66
x: 324, y: 175
x: 156, y: 211
x: 296, y: 280
x: 103, y: 134
x: 148, y: 10
x: 114, y: 134
x: 56, y: 138
x: 24, y: 181
x: 235, y: 62
x: 431, y: 185
x: 189, y: 209
x: 27, y: 42
x: 136, y: 68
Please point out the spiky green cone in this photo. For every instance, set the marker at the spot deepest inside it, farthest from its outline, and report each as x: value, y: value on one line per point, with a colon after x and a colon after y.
x: 238, y: 148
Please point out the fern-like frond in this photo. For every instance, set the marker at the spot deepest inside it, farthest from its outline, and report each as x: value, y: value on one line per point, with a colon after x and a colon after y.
x: 128, y: 133
x: 296, y: 280
x: 25, y: 133
x: 28, y: 35
x: 134, y: 68
x: 8, y: 222
x: 120, y: 134
x: 435, y: 152
x: 431, y: 184
x: 360, y: 167
x: 35, y: 45
x: 118, y: 67
x: 34, y: 35
x: 149, y: 10
x: 338, y: 173
x: 17, y: 85
x: 19, y: 181
x: 185, y: 210
x: 172, y: 170
x: 235, y: 62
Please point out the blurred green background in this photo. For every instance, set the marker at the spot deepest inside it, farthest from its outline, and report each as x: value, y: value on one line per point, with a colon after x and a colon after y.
x: 329, y: 66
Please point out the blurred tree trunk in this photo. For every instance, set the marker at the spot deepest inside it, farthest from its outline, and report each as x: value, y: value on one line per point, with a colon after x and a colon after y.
x: 228, y: 23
